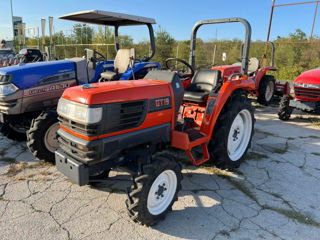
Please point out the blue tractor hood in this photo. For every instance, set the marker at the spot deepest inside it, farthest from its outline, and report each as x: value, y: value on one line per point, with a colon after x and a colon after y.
x: 33, y: 74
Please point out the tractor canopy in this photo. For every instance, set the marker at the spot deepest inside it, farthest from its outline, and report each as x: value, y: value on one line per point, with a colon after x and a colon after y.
x: 116, y: 20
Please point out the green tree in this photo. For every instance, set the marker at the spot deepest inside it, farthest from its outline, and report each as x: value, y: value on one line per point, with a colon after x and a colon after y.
x: 164, y: 45
x: 83, y: 34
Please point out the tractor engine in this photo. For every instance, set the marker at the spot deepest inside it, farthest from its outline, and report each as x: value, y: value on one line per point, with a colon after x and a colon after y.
x: 101, y: 123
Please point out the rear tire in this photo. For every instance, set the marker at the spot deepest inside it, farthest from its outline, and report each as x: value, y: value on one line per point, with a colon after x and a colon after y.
x: 9, y: 132
x: 285, y: 110
x: 266, y: 90
x: 154, y: 190
x: 42, y: 136
x: 233, y: 132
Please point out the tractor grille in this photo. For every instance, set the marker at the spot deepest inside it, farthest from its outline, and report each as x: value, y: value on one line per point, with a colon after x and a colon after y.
x: 76, y: 150
x: 307, y: 92
x: 78, y: 127
x: 126, y: 115
x: 116, y: 117
x: 8, y: 104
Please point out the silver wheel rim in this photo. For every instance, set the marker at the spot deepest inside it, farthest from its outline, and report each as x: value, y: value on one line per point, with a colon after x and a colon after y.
x: 239, y: 135
x: 162, y: 192
x: 51, y: 139
x: 269, y: 91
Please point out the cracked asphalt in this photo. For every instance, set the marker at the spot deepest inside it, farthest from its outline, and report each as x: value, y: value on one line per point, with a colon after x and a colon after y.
x: 273, y: 195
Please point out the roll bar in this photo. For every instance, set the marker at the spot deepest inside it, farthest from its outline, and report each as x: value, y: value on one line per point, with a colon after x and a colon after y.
x: 152, y: 41
x: 245, y: 54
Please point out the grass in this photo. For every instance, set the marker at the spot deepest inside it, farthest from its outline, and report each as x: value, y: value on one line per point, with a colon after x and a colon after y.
x: 224, y: 233
x: 117, y: 190
x: 244, y: 189
x: 14, y: 168
x: 221, y: 173
x: 264, y: 132
x: 8, y: 160
x: 257, y: 105
x: 292, y: 214
x: 316, y: 154
x: 280, y: 150
x: 276, y: 161
x: 34, y: 209
x: 315, y: 122
x: 45, y: 173
x: 313, y: 137
x: 255, y: 156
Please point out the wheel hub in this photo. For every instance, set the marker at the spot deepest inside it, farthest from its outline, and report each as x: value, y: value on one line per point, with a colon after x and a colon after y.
x: 160, y: 192
x: 235, y: 134
x: 51, y: 138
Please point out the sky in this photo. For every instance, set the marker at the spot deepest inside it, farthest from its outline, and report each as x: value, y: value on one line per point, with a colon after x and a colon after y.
x: 175, y: 16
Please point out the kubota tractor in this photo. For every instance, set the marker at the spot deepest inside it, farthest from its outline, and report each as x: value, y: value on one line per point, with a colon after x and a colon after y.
x: 306, y: 95
x: 132, y: 124
x: 29, y: 93
x: 265, y: 84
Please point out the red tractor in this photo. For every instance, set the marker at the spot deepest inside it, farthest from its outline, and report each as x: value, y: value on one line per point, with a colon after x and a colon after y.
x: 306, y: 95
x: 132, y: 125
x: 265, y: 84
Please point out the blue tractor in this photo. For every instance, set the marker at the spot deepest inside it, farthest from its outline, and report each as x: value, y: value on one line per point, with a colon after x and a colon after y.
x: 29, y: 93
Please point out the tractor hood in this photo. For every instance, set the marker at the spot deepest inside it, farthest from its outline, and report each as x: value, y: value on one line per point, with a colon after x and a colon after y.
x: 117, y: 91
x: 309, y: 77
x: 34, y: 74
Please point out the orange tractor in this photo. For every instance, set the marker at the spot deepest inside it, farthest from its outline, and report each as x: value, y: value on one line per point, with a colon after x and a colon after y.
x: 132, y: 124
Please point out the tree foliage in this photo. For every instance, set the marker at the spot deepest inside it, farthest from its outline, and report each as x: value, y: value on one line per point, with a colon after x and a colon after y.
x: 290, y: 59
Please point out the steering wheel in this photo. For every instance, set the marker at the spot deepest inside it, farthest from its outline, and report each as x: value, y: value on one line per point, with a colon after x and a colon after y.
x: 179, y: 71
x: 101, y: 58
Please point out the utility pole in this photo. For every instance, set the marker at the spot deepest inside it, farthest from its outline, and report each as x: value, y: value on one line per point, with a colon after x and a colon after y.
x: 12, y: 23
x: 264, y: 58
x: 214, y: 55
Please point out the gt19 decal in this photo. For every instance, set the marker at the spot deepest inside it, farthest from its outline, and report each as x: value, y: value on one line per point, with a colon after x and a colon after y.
x: 159, y: 104
x: 48, y: 88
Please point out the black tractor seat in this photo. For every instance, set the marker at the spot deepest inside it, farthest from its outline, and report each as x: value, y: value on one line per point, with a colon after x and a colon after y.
x: 201, y: 85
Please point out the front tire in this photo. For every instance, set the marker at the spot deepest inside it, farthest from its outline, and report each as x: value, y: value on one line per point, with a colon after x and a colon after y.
x: 285, y: 110
x: 154, y: 190
x: 42, y: 136
x: 266, y: 90
x: 233, y: 132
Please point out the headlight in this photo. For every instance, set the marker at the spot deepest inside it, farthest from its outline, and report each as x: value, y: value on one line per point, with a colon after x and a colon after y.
x: 79, y: 112
x: 5, y: 78
x: 7, y: 89
x: 306, y: 85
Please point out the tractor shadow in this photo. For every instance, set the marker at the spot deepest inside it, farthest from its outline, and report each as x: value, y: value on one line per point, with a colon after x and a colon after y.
x: 199, y: 212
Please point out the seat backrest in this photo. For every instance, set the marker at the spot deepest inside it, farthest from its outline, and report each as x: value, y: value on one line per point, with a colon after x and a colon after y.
x: 174, y: 80
x: 254, y: 64
x: 123, y: 58
x: 204, y: 80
